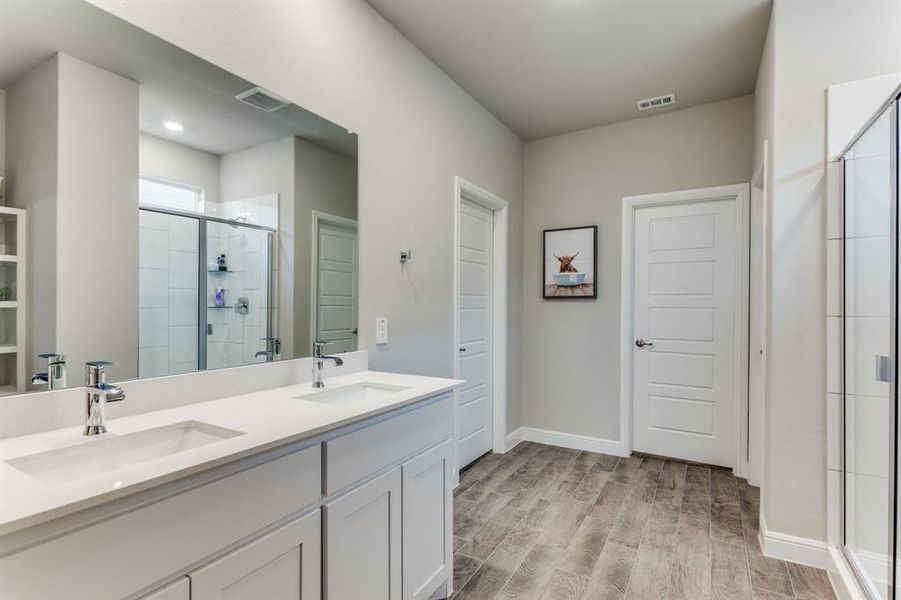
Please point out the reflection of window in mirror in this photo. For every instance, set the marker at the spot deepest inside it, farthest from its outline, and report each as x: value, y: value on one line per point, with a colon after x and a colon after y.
x: 169, y: 194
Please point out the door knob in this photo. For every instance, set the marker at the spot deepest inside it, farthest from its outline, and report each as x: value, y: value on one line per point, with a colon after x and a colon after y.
x: 641, y: 343
x: 462, y: 349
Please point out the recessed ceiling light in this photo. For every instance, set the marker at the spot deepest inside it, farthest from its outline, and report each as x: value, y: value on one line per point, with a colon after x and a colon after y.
x: 173, y: 126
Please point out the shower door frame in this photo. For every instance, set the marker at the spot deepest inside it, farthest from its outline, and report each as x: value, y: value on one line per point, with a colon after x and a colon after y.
x: 203, y: 269
x: 893, y: 103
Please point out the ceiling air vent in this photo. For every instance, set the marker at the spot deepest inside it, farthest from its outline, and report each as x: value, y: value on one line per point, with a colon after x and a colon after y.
x: 262, y: 99
x: 657, y: 102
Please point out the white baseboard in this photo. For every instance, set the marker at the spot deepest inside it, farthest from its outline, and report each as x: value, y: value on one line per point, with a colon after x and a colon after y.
x: 571, y: 440
x: 513, y: 439
x: 844, y: 583
x: 792, y: 548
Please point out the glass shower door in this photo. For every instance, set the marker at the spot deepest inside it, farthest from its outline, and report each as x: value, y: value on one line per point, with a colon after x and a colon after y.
x: 868, y: 258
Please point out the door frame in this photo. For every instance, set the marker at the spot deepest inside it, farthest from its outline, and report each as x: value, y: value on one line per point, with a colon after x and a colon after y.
x: 740, y: 193
x: 324, y: 217
x: 464, y: 189
x: 759, y: 277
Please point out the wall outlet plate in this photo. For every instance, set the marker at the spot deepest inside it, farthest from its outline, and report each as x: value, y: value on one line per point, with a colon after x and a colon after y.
x: 381, y: 330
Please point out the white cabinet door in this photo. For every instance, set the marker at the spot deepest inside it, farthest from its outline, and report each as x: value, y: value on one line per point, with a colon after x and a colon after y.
x: 363, y: 541
x: 428, y: 529
x: 180, y: 590
x: 281, y: 565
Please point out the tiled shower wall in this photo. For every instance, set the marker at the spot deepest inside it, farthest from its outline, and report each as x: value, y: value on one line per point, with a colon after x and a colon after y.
x: 167, y: 294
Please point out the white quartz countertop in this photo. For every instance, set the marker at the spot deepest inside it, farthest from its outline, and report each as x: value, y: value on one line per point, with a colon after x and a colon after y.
x: 267, y: 419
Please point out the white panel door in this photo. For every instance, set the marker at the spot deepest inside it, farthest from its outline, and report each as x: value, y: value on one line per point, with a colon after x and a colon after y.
x: 336, y: 285
x: 363, y: 541
x: 475, y: 353
x: 685, y: 310
x: 281, y: 565
x: 428, y: 521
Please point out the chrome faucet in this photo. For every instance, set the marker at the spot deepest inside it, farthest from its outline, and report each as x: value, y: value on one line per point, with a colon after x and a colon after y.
x: 97, y: 393
x: 273, y: 349
x: 320, y: 359
x: 55, y: 377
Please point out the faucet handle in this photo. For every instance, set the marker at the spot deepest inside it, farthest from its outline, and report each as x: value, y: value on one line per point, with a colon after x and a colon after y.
x: 53, y: 357
x: 95, y: 371
x: 318, y: 345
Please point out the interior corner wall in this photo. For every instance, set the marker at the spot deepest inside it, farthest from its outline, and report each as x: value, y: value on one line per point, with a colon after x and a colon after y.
x: 327, y: 182
x: 808, y: 49
x: 417, y: 129
x: 571, y: 358
x: 260, y: 170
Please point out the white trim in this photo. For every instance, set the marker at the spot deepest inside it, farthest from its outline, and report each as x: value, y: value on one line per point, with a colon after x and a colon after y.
x: 514, y: 439
x: 498, y: 206
x: 757, y: 317
x: 740, y: 193
x: 792, y: 548
x: 323, y: 217
x: 574, y: 441
x: 843, y: 582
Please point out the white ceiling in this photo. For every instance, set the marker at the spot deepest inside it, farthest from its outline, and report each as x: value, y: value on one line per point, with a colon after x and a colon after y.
x: 174, y: 84
x: 545, y: 67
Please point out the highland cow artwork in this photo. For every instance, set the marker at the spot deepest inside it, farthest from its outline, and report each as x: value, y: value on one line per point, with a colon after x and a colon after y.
x: 570, y: 262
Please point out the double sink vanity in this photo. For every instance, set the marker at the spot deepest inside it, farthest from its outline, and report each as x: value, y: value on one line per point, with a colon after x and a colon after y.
x: 343, y: 492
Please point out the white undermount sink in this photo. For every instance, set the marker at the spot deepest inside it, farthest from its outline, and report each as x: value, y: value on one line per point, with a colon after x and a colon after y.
x: 112, y: 451
x: 356, y: 393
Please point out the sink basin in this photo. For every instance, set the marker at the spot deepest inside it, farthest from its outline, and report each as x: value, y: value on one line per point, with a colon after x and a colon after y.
x: 112, y: 451
x: 357, y: 393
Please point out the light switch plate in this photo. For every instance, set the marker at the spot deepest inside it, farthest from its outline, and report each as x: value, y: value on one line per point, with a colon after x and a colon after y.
x: 381, y: 330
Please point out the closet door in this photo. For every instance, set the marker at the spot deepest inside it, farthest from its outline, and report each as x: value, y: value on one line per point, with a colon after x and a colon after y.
x: 281, y: 565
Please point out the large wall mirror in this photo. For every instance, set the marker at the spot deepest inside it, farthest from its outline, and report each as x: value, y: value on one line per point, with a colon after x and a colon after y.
x: 159, y: 212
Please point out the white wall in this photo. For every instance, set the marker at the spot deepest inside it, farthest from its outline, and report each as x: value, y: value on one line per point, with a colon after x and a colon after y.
x: 808, y: 49
x: 580, y: 179
x: 166, y: 159
x: 418, y: 129
x: 97, y: 210
x: 326, y: 182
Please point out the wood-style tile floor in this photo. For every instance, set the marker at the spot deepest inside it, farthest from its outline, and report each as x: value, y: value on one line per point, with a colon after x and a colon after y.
x: 557, y: 524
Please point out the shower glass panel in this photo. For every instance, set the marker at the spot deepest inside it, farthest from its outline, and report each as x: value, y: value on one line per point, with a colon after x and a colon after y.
x: 868, y: 251
x: 204, y: 292
x: 238, y: 315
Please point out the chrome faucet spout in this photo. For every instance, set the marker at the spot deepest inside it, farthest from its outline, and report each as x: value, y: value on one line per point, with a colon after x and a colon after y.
x: 320, y: 359
x: 97, y: 393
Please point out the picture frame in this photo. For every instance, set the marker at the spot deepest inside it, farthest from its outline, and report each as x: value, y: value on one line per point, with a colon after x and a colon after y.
x: 569, y: 263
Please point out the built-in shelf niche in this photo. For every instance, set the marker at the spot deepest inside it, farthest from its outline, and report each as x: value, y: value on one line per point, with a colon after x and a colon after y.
x: 13, y: 303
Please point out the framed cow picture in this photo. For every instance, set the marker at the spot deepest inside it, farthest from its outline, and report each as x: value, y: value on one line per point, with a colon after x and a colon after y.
x: 570, y: 263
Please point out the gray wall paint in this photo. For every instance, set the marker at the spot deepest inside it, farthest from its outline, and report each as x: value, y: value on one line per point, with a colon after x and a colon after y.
x: 97, y: 201
x: 2, y: 134
x: 269, y: 169
x: 852, y: 40
x: 31, y: 168
x: 166, y: 159
x: 326, y: 182
x: 571, y: 364
x: 418, y: 130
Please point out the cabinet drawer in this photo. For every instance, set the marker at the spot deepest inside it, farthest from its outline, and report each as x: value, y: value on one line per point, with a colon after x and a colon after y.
x: 135, y: 550
x: 355, y: 455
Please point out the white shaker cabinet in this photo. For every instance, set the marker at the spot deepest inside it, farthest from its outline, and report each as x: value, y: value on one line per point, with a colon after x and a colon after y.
x: 281, y: 565
x: 363, y: 541
x: 180, y: 590
x: 427, y: 521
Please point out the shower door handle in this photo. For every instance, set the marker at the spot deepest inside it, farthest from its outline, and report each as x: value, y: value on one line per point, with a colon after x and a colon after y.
x: 883, y: 368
